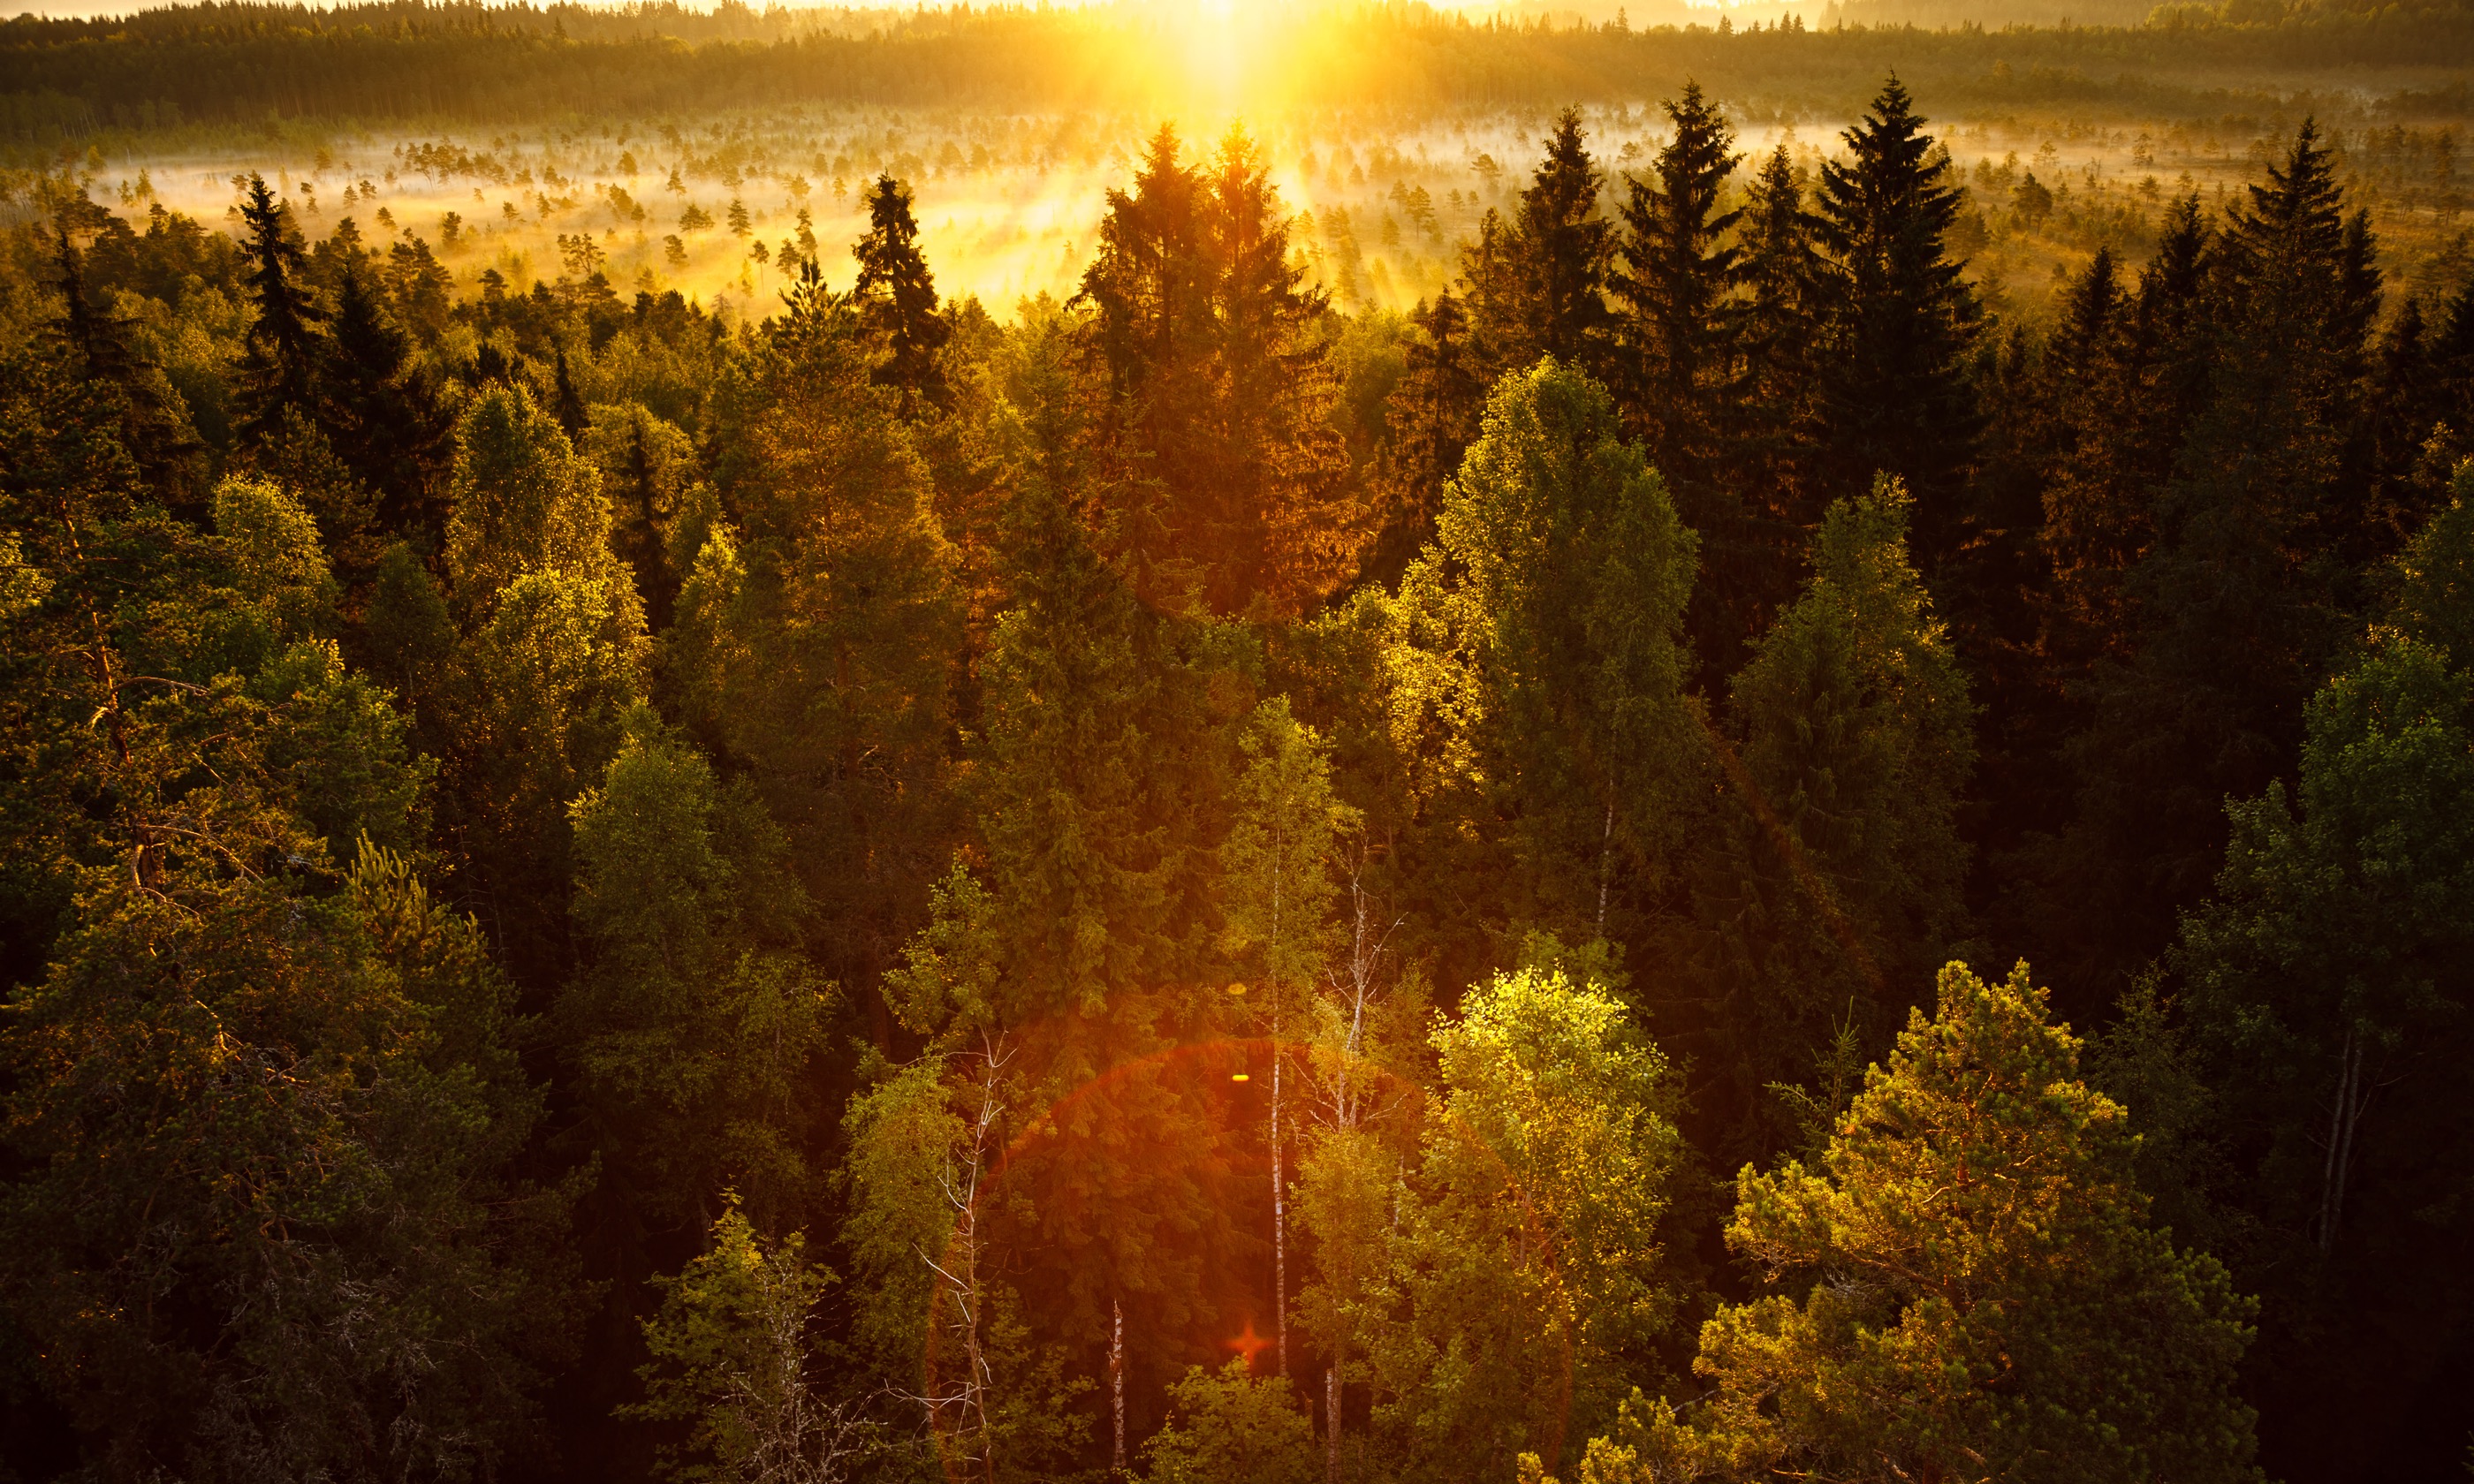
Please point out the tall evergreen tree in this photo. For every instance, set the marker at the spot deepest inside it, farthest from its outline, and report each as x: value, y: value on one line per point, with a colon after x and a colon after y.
x: 1432, y: 417
x: 1832, y: 875
x: 1677, y: 288
x: 2252, y: 583
x: 817, y: 641
x: 1240, y: 495
x: 897, y: 297
x: 1891, y: 393
x: 382, y: 415
x: 1536, y: 285
x: 1683, y: 378
x: 278, y: 369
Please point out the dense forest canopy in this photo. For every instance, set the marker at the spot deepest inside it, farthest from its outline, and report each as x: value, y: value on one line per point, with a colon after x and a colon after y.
x: 1602, y: 749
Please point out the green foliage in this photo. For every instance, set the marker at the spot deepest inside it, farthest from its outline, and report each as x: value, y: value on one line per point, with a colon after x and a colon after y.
x: 1898, y: 316
x: 1233, y: 1428
x: 1538, y: 283
x: 817, y: 639
x: 2323, y: 992
x: 1526, y: 1272
x: 694, y: 1019
x: 523, y: 501
x: 732, y: 1356
x: 1277, y: 857
x: 1986, y: 1297
x: 1536, y: 648
x: 263, y: 1220
x: 1237, y: 495
x: 1837, y: 875
x: 2435, y: 599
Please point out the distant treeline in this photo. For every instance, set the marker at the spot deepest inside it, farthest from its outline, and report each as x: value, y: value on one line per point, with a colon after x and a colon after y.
x: 225, y: 64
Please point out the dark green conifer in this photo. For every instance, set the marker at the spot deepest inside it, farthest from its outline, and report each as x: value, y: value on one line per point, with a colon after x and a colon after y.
x: 897, y: 297
x: 279, y: 366
x: 1891, y: 392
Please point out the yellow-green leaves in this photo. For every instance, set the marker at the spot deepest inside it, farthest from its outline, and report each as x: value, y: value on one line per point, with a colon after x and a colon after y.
x: 1980, y: 1293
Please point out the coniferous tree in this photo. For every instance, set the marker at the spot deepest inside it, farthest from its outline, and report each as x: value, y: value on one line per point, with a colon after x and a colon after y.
x: 1891, y: 393
x: 1684, y: 382
x: 1432, y: 417
x: 1677, y: 288
x: 550, y: 659
x: 1536, y: 284
x: 897, y: 299
x: 380, y: 415
x: 1239, y: 496
x: 156, y: 425
x: 1779, y: 270
x: 1833, y: 873
x: 278, y: 370
x: 2324, y: 994
x: 2249, y: 588
x: 816, y: 639
x: 1986, y: 1295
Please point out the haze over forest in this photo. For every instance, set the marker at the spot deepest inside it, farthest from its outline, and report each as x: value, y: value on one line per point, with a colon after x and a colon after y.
x: 1181, y: 741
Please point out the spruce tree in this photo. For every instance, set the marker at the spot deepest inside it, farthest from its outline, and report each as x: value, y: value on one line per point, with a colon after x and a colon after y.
x: 816, y: 639
x: 278, y: 369
x: 1676, y: 288
x: 1239, y: 496
x: 382, y: 415
x: 2253, y: 584
x: 1431, y: 419
x: 1684, y: 379
x: 1779, y: 271
x: 1833, y: 873
x: 1536, y: 285
x: 1891, y: 392
x: 897, y: 297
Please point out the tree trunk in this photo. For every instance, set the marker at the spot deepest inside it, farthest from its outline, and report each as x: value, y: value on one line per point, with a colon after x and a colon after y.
x: 1117, y: 1383
x: 1331, y: 1422
x: 1280, y: 1203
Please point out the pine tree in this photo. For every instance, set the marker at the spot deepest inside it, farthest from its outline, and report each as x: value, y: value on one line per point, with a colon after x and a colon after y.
x: 1982, y: 1293
x: 897, y: 299
x: 1891, y: 394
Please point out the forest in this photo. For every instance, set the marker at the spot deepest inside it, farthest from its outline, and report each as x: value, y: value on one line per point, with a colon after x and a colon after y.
x: 1749, y: 760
